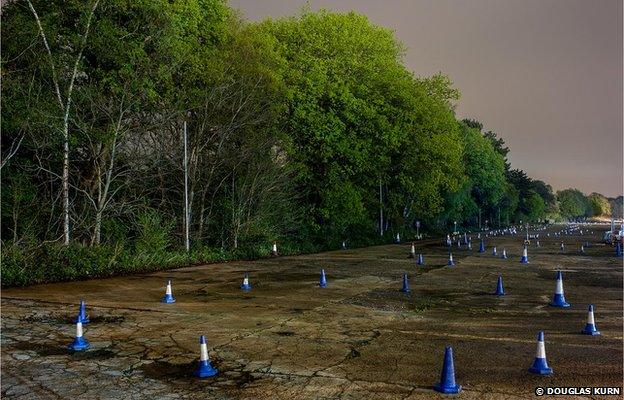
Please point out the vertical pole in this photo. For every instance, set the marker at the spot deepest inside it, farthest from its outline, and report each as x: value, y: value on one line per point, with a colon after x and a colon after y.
x: 187, y: 244
x: 381, y: 229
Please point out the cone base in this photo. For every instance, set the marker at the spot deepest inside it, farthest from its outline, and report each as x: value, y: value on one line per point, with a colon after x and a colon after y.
x: 79, y: 344
x: 322, y: 285
x: 168, y: 299
x: 590, y: 330
x: 543, y: 371
x: 540, y: 370
x: 246, y: 287
x: 503, y: 258
x: 499, y: 294
x: 405, y: 290
x: 447, y: 389
x: 450, y: 264
x: 559, y: 301
x: 205, y: 370
x: 420, y: 263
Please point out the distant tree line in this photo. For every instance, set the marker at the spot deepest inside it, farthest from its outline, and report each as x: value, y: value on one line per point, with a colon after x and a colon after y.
x: 307, y: 130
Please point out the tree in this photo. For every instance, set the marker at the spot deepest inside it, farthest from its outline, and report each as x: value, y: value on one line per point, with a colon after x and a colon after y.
x: 355, y: 115
x: 95, y: 73
x: 616, y: 205
x: 599, y: 204
x: 485, y: 170
x: 572, y: 203
x: 535, y: 207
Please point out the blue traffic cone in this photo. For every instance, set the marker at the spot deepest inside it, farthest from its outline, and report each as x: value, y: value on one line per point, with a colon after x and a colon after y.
x: 618, y: 250
x: 82, y: 316
x: 450, y: 262
x: 246, y: 285
x: 323, y: 280
x: 504, y: 255
x: 79, y: 343
x: 494, y: 252
x: 405, y: 288
x: 168, y: 297
x: 421, y: 260
x: 481, y: 246
x: 412, y: 253
x: 525, y: 256
x: 499, y: 287
x: 447, y: 382
x: 590, y: 327
x: 559, y: 297
x: 205, y: 369
x: 540, y: 365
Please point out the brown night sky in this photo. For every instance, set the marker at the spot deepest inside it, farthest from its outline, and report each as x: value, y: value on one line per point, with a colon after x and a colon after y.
x: 546, y: 75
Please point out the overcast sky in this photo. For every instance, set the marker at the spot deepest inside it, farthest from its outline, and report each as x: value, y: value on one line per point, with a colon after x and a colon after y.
x: 546, y: 75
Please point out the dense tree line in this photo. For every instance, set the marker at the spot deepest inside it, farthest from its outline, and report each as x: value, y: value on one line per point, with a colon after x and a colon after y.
x: 307, y: 130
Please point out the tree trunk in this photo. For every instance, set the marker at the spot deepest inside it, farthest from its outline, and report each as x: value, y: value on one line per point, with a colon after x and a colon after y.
x: 65, y: 107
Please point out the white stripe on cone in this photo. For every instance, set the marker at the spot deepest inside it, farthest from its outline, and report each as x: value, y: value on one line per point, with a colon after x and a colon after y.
x: 525, y: 253
x: 79, y: 329
x: 590, y: 318
x: 541, y: 350
x: 245, y: 281
x: 275, y: 247
x: 203, y: 352
x: 413, y: 250
x: 168, y: 289
x: 559, y: 288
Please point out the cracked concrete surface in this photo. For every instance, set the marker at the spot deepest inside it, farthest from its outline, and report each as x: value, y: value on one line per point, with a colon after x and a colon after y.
x: 358, y: 338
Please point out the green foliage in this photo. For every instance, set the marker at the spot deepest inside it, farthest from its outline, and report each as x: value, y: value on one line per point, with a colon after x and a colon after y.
x: 485, y: 169
x: 599, y: 204
x: 295, y: 126
x: 485, y: 186
x: 154, y: 234
x: 526, y: 188
x: 356, y: 115
x: 536, y: 207
x: 572, y: 203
